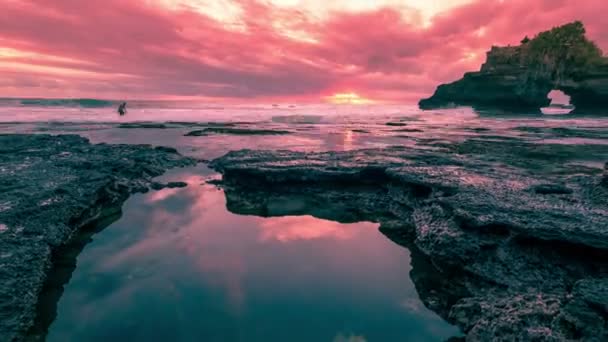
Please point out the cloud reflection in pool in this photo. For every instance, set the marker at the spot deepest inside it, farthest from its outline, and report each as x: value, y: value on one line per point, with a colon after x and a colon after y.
x: 179, y: 266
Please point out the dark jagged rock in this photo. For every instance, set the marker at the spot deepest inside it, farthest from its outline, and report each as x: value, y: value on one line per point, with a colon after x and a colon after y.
x: 520, y: 77
x: 480, y: 129
x: 165, y: 149
x: 565, y: 132
x: 157, y: 186
x: 409, y: 130
x: 508, y: 263
x: 172, y: 185
x: 549, y: 189
x: 235, y: 131
x: 51, y: 187
x: 143, y: 125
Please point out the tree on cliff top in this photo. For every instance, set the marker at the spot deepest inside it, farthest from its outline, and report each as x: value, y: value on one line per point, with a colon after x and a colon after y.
x: 561, y: 52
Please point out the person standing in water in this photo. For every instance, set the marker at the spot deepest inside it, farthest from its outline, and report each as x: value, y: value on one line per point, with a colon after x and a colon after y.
x: 122, y: 109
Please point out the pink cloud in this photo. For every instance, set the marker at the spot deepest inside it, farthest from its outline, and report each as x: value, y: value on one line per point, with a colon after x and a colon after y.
x: 293, y: 228
x: 140, y: 49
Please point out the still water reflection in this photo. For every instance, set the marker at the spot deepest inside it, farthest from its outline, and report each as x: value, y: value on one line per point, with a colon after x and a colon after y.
x: 179, y: 267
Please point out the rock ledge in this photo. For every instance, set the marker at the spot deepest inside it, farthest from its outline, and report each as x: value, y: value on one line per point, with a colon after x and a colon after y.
x: 505, y: 252
x: 51, y: 188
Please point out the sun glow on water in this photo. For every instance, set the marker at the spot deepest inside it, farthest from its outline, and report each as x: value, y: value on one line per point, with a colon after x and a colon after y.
x: 348, y: 98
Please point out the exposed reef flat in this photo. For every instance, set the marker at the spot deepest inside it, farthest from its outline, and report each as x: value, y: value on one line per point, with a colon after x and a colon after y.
x: 235, y: 131
x: 519, y: 78
x: 566, y: 132
x: 509, y: 239
x: 408, y: 130
x: 150, y: 125
x: 52, y: 187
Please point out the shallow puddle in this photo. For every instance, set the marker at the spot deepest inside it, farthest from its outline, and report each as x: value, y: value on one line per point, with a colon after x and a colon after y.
x: 178, y: 266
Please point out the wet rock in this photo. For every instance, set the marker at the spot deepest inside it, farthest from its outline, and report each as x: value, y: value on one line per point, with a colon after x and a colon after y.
x: 590, y: 133
x: 166, y: 149
x: 235, y: 131
x: 511, y: 252
x: 480, y: 129
x: 552, y: 159
x: 203, y: 124
x: 143, y: 125
x: 172, y: 185
x: 509, y: 317
x: 548, y: 189
x: 530, y: 129
x: 584, y: 315
x: 157, y: 186
x: 216, y: 182
x: 520, y: 77
x: 565, y: 132
x: 409, y: 130
x: 51, y: 188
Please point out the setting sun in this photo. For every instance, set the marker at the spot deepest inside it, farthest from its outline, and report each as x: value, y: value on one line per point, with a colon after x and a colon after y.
x: 348, y: 98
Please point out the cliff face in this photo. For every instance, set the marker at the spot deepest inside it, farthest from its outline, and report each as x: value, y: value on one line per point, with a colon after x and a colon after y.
x: 520, y: 77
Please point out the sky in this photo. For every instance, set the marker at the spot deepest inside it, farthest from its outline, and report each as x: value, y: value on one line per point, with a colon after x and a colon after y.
x: 384, y: 51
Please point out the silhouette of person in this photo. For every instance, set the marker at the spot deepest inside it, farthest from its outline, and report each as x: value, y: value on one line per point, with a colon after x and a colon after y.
x: 122, y: 109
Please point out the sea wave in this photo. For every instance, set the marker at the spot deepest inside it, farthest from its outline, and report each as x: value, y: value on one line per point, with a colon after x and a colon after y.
x: 85, y: 103
x: 297, y: 119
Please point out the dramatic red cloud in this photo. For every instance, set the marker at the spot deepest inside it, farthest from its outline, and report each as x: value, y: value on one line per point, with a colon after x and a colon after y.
x: 262, y: 50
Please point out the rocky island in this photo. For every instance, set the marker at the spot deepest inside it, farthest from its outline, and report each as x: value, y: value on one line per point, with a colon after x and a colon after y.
x: 519, y: 78
x: 508, y: 239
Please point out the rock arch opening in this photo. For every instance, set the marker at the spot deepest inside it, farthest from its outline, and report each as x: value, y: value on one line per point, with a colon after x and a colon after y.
x: 560, y: 103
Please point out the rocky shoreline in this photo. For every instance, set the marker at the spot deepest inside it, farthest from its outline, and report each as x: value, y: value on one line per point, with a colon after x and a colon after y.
x: 509, y: 239
x: 51, y: 189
